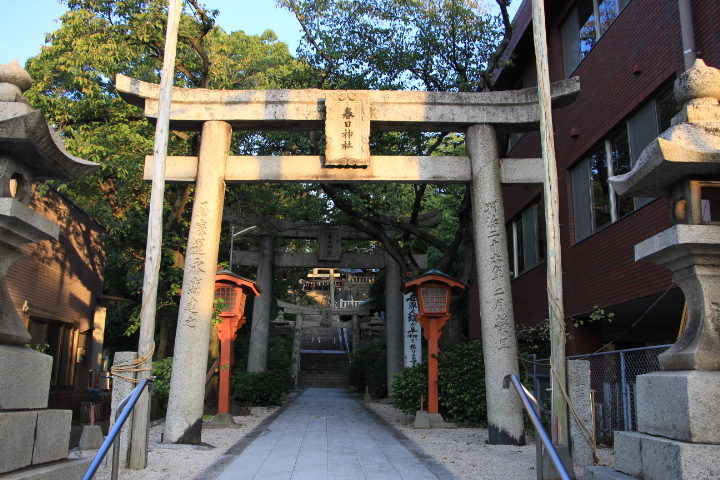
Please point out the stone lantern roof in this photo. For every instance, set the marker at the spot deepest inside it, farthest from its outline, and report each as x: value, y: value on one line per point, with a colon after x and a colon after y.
x: 690, y: 147
x: 26, y: 135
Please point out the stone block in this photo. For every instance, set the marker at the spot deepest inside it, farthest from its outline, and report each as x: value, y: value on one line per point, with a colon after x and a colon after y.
x: 666, y: 459
x: 24, y: 378
x: 628, y: 457
x: 578, y: 380
x: 422, y: 420
x: 681, y: 405
x: 66, y: 470
x: 605, y: 473
x: 550, y: 472
x: 91, y: 438
x: 17, y: 434
x: 52, y: 436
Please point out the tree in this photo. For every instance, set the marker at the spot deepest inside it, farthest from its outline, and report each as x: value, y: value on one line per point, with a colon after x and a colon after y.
x: 435, y: 45
x: 73, y: 84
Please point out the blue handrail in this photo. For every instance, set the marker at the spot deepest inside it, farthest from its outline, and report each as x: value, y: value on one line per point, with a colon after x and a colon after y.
x: 525, y: 396
x: 130, y: 400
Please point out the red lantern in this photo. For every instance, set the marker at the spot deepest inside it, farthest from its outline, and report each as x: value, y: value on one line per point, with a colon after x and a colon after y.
x: 433, y: 290
x: 233, y: 290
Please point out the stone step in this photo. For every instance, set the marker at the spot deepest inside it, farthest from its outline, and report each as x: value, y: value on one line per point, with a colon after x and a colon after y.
x: 63, y: 470
x: 605, y: 473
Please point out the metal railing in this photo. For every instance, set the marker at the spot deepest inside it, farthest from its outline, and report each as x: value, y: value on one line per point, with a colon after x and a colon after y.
x: 113, y: 438
x: 533, y: 409
x: 612, y: 377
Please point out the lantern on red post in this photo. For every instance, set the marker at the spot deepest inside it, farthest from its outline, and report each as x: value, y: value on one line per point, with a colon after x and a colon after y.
x: 433, y: 290
x: 233, y: 290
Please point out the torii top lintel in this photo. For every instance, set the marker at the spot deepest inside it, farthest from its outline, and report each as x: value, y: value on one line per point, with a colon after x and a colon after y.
x: 304, y: 110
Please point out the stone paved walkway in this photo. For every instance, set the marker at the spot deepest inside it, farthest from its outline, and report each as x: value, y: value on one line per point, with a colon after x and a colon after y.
x: 326, y: 434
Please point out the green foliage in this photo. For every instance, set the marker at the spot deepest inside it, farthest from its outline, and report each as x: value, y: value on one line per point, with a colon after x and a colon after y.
x: 219, y: 306
x: 462, y: 382
x: 461, y: 376
x: 162, y: 370
x: 409, y: 385
x: 260, y: 388
x: 368, y: 368
x: 597, y: 315
x: 40, y: 347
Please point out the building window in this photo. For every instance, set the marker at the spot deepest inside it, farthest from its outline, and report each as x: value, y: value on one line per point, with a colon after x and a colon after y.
x: 582, y: 30
x: 57, y: 339
x: 526, y: 239
x: 594, y: 203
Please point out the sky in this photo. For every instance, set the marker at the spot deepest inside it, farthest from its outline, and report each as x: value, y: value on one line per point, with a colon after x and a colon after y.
x: 22, y: 33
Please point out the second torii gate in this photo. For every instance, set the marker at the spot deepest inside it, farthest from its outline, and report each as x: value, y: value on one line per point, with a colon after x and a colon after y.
x: 347, y: 117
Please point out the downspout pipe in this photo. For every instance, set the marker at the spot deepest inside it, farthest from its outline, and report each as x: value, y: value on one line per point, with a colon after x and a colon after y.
x: 688, y: 33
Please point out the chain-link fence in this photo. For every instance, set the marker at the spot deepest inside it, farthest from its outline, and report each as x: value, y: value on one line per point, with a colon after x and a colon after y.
x: 612, y: 377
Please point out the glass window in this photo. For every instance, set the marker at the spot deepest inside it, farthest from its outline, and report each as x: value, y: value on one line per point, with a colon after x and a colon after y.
x: 621, y: 164
x: 586, y: 21
x: 597, y: 163
x: 526, y: 239
x: 582, y: 30
x: 608, y: 13
x: 667, y: 109
x: 57, y: 340
x: 581, y: 200
x: 571, y: 43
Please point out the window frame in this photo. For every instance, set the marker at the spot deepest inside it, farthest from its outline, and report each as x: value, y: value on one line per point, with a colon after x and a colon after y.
x: 519, y: 234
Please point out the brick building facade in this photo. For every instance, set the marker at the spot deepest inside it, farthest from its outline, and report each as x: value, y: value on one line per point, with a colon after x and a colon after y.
x: 627, y: 54
x: 57, y: 289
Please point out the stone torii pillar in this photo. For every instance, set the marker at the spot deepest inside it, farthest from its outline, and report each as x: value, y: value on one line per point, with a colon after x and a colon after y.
x: 505, y: 421
x: 187, y: 386
x: 393, y: 321
x: 260, y: 328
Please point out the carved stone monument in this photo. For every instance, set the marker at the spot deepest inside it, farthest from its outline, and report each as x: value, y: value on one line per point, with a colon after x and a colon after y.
x: 29, y: 150
x: 678, y: 435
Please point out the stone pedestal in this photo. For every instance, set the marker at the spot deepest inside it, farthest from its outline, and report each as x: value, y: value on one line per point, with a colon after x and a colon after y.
x: 121, y: 389
x: 33, y: 435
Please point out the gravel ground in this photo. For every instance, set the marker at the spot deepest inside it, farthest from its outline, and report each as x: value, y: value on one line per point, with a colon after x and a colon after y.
x: 464, y: 451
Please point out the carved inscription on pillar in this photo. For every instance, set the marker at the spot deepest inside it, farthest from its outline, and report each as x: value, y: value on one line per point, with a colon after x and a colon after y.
x: 329, y: 246
x: 498, y: 267
x: 195, y: 262
x: 347, y: 129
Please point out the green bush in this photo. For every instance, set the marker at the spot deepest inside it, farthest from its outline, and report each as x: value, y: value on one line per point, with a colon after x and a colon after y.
x: 260, y: 388
x: 462, y: 382
x: 409, y: 385
x: 368, y: 368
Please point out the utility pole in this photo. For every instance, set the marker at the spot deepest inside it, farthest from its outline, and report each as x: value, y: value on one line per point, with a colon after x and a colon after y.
x: 554, y: 265
x: 146, y: 345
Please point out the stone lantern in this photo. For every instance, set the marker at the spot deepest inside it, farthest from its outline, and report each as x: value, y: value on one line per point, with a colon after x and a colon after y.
x: 433, y: 290
x: 233, y: 290
x: 29, y: 150
x: 678, y: 433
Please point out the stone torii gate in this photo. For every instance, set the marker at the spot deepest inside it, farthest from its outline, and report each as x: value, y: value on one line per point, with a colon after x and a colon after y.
x: 347, y: 118
x: 326, y: 315
x: 329, y: 255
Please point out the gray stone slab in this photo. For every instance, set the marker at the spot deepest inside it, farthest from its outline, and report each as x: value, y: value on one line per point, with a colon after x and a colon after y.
x: 52, y: 436
x: 24, y: 391
x: 65, y: 470
x: 605, y: 473
x: 17, y: 432
x: 687, y: 410
x: 666, y: 459
x: 91, y: 437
